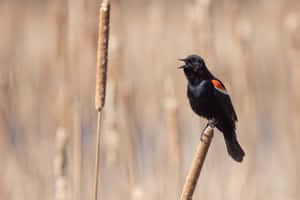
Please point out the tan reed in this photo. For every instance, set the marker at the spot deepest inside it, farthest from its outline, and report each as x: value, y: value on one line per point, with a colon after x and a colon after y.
x: 60, y: 161
x: 102, y: 53
x: 77, y: 153
x: 194, y: 173
x: 171, y: 109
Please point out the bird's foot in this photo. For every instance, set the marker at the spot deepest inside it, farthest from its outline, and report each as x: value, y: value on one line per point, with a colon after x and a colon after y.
x: 211, y: 123
x: 203, y: 134
x: 202, y: 140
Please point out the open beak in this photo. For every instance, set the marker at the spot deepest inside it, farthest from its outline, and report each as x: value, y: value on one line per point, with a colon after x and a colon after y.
x: 183, y: 66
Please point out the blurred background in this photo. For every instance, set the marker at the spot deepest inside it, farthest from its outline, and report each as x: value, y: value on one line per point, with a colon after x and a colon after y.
x: 150, y: 134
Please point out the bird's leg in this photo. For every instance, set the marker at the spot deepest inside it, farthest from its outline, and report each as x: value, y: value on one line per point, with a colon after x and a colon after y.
x: 212, y: 123
x: 202, y: 133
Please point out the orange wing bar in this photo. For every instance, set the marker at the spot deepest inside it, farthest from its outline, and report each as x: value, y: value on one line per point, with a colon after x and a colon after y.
x: 217, y: 84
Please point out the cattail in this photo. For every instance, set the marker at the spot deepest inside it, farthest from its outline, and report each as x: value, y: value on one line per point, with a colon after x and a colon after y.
x: 127, y: 127
x: 60, y: 163
x: 172, y: 122
x: 194, y: 173
x: 101, y: 78
x: 102, y: 55
x: 77, y: 154
x: 112, y: 137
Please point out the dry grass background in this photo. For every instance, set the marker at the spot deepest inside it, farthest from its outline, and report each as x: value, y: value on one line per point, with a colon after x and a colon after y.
x: 150, y: 135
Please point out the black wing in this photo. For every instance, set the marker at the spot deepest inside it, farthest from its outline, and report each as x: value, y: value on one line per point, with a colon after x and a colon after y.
x: 224, y: 99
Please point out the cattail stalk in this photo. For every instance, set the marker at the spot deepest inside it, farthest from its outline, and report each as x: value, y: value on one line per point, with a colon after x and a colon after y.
x: 102, y: 53
x: 77, y: 154
x: 194, y: 173
x: 172, y: 122
x: 60, y: 161
x: 173, y: 132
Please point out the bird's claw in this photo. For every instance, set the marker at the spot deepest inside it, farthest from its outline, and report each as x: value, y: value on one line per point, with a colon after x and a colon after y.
x: 212, y: 123
x: 202, y: 140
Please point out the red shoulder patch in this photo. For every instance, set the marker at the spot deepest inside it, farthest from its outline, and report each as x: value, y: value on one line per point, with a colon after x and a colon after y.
x: 219, y: 86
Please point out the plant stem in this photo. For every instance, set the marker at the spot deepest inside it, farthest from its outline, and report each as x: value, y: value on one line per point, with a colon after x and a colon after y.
x: 194, y: 173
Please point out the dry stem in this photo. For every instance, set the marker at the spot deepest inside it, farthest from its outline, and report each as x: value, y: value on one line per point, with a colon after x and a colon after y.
x: 172, y: 122
x: 101, y: 78
x: 77, y: 154
x: 194, y: 173
x: 60, y: 161
x: 97, y: 156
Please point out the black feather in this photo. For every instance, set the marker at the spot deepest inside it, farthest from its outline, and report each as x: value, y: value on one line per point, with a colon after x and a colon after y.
x: 212, y: 103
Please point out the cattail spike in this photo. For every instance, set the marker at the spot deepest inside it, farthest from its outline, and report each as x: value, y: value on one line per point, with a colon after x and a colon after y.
x: 102, y: 55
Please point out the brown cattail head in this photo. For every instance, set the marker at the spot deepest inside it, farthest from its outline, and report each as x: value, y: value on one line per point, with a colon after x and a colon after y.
x: 102, y: 54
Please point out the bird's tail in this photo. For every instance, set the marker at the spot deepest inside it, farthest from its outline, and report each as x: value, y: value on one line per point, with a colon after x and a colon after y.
x: 234, y: 149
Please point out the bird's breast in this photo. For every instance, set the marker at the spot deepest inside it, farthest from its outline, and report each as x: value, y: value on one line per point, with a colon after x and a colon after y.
x: 201, y: 90
x: 201, y: 99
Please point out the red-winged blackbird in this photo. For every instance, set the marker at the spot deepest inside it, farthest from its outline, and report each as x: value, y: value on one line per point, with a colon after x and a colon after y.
x: 209, y: 99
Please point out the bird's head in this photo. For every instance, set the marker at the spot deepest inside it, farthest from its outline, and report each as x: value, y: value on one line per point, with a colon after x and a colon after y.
x: 195, y: 69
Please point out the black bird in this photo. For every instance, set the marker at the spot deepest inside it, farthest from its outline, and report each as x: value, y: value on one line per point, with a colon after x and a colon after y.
x: 209, y: 99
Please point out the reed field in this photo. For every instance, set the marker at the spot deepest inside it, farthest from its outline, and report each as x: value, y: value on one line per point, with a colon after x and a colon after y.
x: 149, y: 134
